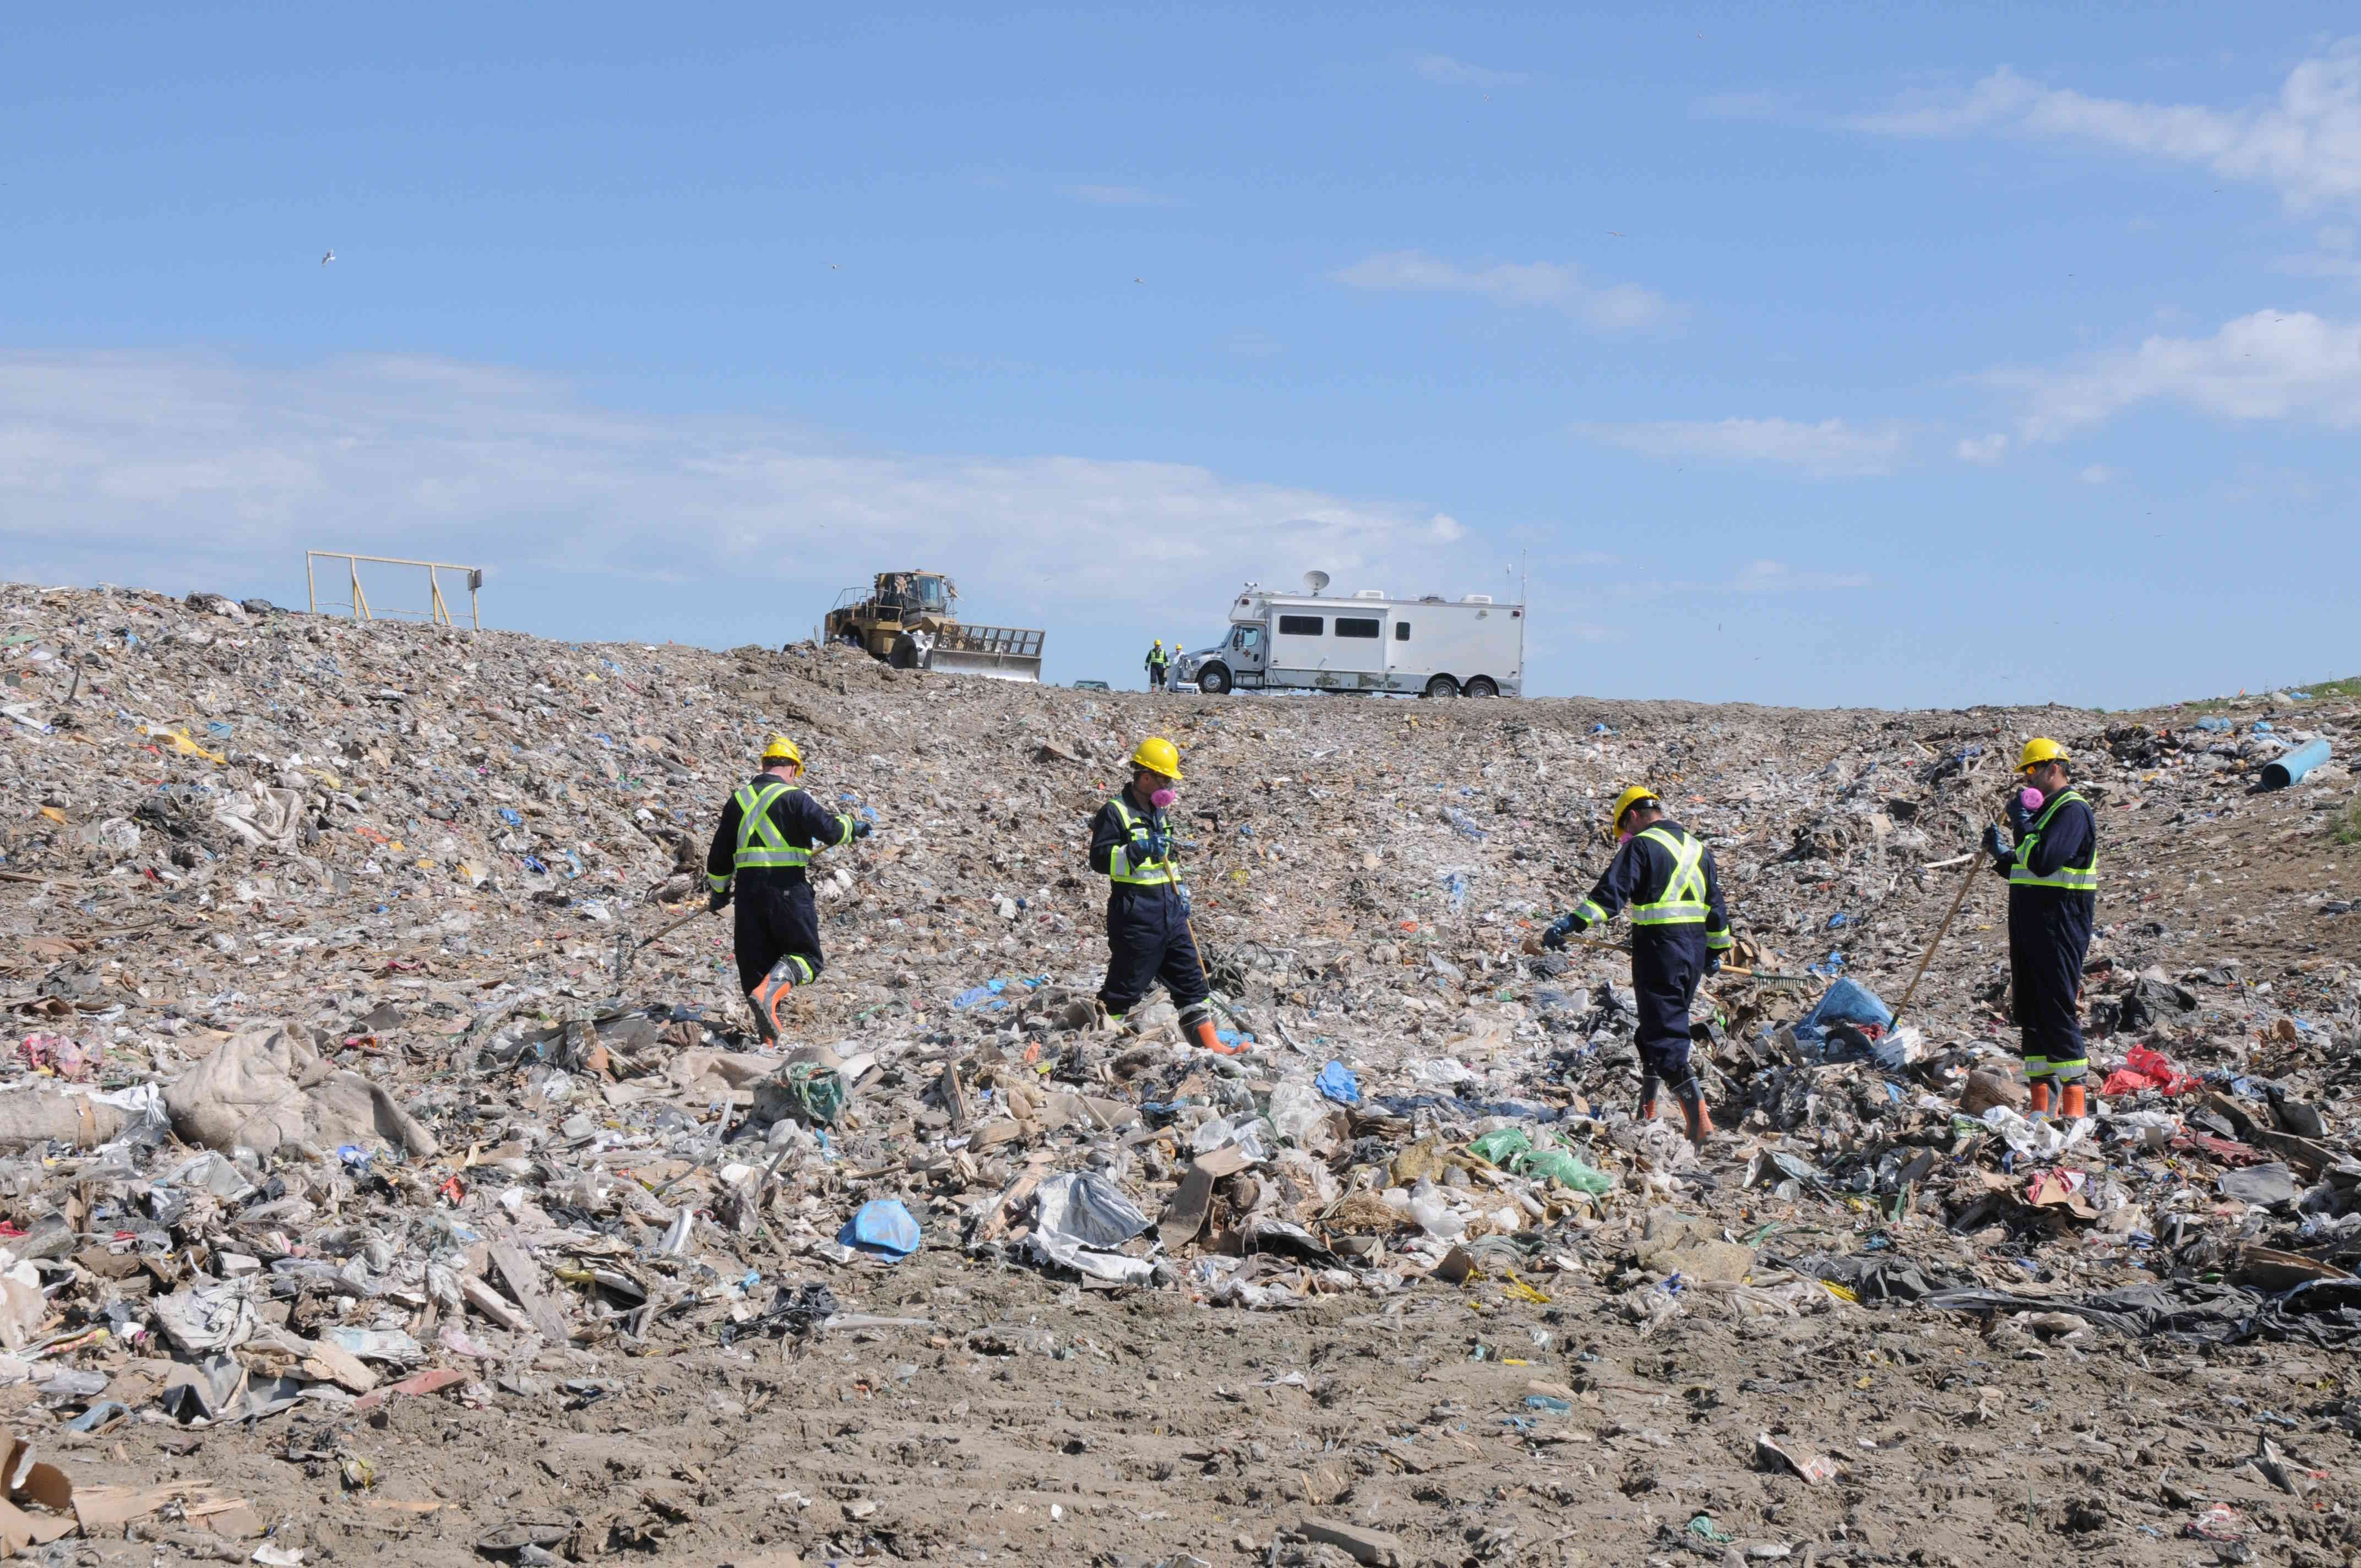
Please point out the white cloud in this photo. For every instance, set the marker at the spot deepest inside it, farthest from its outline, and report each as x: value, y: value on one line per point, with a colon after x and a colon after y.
x: 2306, y: 144
x: 2271, y: 365
x: 1778, y: 577
x: 176, y: 472
x: 2316, y: 265
x: 1547, y: 285
x: 1830, y: 449
x: 1446, y: 529
x: 1118, y: 196
x: 2096, y: 474
x: 1981, y: 448
x: 1453, y: 72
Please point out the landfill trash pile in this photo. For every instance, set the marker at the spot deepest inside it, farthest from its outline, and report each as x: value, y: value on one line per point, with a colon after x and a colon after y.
x: 373, y: 1182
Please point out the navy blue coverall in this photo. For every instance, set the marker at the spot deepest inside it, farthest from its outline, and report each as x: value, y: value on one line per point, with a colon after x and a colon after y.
x: 1666, y: 875
x: 2053, y: 878
x: 777, y: 917
x: 1146, y: 922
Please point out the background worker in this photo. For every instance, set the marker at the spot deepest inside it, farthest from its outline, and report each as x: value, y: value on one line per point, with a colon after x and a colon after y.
x: 1148, y: 938
x: 766, y: 838
x: 1679, y: 931
x: 1157, y: 660
x: 2053, y: 898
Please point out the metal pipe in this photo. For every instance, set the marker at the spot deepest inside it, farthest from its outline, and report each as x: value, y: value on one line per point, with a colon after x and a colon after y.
x: 2295, y: 764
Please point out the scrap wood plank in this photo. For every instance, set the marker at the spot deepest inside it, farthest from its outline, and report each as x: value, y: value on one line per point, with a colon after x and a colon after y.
x: 1013, y: 1196
x: 523, y: 1280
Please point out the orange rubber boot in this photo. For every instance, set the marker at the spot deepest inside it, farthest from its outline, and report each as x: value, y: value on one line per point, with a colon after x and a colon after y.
x: 2073, y: 1105
x: 2041, y: 1098
x: 767, y: 998
x: 1204, y: 1029
x: 1647, y: 1110
x: 1700, y: 1122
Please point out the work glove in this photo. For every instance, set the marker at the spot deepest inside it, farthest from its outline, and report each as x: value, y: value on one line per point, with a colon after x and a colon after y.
x: 2018, y: 818
x: 862, y: 829
x: 718, y: 901
x: 1713, y: 964
x: 1150, y: 846
x: 1994, y: 845
x: 1559, y: 928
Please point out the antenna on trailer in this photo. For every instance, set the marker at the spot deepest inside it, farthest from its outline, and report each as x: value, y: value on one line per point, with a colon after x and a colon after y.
x: 1314, y: 581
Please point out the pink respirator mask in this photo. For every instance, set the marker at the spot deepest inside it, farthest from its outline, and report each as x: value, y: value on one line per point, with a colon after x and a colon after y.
x: 1163, y: 798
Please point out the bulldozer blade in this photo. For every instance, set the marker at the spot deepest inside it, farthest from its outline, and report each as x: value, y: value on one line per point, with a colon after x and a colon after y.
x: 997, y: 652
x: 991, y: 667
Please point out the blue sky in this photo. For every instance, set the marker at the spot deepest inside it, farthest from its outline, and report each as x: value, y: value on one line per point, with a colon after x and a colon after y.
x: 1800, y: 355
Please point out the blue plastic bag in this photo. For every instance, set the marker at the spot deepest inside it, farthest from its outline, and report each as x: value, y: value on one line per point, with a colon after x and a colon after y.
x: 1335, y: 1081
x: 881, y: 1228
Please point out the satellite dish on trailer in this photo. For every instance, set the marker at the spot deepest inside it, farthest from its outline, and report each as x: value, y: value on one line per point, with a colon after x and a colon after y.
x: 1314, y: 581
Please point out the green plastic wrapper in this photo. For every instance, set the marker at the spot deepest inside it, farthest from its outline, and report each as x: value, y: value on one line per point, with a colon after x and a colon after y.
x: 1512, y: 1150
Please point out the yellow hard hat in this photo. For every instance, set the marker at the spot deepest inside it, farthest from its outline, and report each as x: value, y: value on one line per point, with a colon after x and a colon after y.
x: 2037, y: 751
x: 782, y: 749
x: 1158, y: 755
x: 1625, y: 802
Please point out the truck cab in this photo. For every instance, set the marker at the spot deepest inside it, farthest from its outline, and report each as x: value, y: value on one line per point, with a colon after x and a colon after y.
x: 1239, y: 660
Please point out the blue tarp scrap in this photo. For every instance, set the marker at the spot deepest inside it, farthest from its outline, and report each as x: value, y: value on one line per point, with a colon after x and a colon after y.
x: 883, y: 1228
x: 1335, y: 1081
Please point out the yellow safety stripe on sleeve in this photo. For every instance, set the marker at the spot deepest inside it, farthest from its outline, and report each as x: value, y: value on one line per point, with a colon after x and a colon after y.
x: 1126, y: 866
x: 717, y: 880
x: 1589, y: 914
x: 2073, y: 879
x: 759, y: 843
x: 1683, y: 901
x: 1719, y: 941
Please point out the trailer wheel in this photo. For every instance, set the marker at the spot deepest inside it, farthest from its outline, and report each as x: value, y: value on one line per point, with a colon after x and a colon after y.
x: 1214, y: 680
x: 1483, y: 686
x: 1443, y: 685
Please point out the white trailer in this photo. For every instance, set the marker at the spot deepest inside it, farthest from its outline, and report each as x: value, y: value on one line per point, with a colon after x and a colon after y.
x: 1368, y: 642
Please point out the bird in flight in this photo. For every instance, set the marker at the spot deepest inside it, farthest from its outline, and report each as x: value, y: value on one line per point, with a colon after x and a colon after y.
x: 325, y: 259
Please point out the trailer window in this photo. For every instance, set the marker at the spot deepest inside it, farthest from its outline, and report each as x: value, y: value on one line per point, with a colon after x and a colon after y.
x: 1299, y: 625
x: 1354, y: 626
x: 1402, y: 630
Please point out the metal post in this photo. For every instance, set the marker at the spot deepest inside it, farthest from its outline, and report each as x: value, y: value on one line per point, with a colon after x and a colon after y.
x: 360, y: 599
x: 311, y: 584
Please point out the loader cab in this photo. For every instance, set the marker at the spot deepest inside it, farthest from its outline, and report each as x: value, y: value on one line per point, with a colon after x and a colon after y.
x: 932, y: 593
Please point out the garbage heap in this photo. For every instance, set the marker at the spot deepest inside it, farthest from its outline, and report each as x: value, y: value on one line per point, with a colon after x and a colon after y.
x: 343, y: 1080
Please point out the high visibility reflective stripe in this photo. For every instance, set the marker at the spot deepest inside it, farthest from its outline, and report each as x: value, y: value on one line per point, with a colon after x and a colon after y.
x: 717, y: 879
x: 2073, y: 879
x: 1683, y: 902
x: 2068, y: 1071
x: 760, y: 843
x: 1121, y: 865
x: 1719, y: 939
x: 1589, y: 914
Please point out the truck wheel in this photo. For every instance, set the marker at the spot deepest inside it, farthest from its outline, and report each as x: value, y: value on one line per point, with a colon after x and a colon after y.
x: 1212, y: 680
x: 1443, y: 685
x: 1483, y: 686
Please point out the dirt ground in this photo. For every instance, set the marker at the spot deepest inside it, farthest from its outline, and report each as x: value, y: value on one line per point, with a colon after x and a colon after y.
x: 1030, y: 1422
